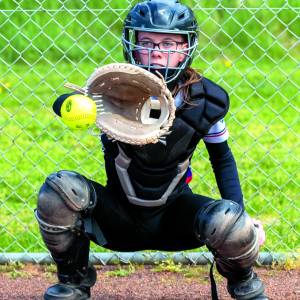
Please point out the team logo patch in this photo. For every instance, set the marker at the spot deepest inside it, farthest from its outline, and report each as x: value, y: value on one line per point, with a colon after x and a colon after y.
x: 69, y: 106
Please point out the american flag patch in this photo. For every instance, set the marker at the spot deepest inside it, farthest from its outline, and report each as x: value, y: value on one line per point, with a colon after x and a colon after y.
x: 189, y: 175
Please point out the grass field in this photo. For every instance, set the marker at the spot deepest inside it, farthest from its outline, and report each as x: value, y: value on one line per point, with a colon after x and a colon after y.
x: 263, y: 120
x: 263, y: 129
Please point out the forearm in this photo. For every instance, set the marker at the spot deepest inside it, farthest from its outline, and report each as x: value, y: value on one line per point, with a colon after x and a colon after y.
x: 225, y: 171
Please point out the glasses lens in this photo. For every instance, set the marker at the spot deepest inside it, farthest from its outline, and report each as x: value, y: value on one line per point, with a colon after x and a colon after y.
x: 167, y: 45
x: 145, y: 46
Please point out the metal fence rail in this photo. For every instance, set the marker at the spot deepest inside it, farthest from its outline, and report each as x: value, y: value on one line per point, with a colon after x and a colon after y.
x: 249, y: 47
x: 189, y: 258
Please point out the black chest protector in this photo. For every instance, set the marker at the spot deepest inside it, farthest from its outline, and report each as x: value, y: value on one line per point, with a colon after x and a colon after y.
x: 149, y: 174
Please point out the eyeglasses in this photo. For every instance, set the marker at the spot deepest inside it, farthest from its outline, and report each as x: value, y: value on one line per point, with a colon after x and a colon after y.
x: 165, y: 45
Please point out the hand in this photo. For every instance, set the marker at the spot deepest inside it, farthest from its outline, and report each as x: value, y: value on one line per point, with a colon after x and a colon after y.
x: 261, y: 232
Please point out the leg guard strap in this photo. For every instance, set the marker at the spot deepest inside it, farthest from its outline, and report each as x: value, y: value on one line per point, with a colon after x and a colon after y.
x: 46, y: 227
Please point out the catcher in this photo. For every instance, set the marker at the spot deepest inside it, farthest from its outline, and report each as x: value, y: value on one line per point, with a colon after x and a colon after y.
x: 147, y: 202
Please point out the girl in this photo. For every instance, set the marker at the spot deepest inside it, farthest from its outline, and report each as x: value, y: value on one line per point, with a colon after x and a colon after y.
x: 165, y: 214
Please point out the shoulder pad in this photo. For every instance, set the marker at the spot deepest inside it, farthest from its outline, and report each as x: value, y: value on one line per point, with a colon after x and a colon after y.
x: 210, y: 104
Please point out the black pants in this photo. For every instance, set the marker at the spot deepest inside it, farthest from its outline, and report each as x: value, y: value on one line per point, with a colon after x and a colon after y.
x: 170, y: 227
x: 129, y: 227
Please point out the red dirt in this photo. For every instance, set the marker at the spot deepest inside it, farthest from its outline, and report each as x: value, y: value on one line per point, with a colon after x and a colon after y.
x: 144, y: 283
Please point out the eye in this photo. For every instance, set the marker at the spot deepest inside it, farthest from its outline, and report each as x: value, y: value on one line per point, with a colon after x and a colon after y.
x: 168, y: 44
x: 146, y: 44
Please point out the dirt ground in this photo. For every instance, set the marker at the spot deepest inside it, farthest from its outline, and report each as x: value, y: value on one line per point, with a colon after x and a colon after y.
x: 167, y: 281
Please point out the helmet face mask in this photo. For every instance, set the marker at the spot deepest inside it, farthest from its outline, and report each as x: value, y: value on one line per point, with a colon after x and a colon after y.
x: 166, y: 17
x: 169, y: 71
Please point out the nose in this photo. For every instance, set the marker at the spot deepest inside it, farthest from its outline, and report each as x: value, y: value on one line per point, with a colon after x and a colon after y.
x: 156, y: 51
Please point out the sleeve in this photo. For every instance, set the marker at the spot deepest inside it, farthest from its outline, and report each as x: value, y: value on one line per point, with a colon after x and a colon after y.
x: 218, y: 133
x: 225, y: 170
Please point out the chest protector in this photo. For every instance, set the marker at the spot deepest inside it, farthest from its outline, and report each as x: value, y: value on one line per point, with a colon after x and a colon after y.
x: 149, y: 174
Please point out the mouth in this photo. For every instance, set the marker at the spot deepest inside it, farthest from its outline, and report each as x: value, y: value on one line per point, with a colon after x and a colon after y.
x: 159, y: 66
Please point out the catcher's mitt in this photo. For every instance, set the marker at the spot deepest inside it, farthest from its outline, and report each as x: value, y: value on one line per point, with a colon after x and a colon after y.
x: 127, y: 98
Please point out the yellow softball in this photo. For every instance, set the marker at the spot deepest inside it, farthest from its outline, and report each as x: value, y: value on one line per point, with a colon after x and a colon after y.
x: 78, y: 112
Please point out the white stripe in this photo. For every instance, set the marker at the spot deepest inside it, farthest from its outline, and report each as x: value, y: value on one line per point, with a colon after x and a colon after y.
x: 218, y: 133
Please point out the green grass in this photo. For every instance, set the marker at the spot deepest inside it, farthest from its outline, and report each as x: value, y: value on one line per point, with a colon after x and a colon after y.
x: 92, y: 32
x: 263, y: 127
x: 258, y: 68
x: 122, y: 271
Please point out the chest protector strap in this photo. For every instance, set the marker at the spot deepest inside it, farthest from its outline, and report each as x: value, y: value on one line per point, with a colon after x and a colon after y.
x: 122, y: 162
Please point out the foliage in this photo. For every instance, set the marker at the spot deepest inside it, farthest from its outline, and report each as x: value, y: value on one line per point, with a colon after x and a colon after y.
x: 92, y: 31
x: 122, y: 271
x: 167, y: 265
x: 14, y: 270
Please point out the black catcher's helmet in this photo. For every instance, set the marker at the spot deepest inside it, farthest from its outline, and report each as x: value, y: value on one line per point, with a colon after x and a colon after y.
x: 164, y: 16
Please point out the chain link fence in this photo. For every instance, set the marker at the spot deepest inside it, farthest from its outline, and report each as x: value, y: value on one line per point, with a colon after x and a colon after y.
x: 251, y: 48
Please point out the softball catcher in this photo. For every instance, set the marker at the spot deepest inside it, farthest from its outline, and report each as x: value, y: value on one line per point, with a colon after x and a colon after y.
x: 149, y: 136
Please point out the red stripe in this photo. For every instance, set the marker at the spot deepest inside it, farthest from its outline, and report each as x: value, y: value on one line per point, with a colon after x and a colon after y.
x: 214, y: 135
x: 188, y: 179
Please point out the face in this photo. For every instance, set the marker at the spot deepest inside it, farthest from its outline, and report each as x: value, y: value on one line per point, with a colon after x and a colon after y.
x: 155, y: 57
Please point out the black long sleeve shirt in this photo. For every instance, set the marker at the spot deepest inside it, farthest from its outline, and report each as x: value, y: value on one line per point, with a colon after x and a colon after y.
x: 225, y: 170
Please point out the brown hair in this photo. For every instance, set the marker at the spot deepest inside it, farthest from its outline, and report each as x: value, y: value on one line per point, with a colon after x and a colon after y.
x: 190, y: 76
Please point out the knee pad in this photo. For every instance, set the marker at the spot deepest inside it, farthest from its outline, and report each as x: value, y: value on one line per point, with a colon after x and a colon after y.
x: 228, y: 232
x: 63, y: 199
